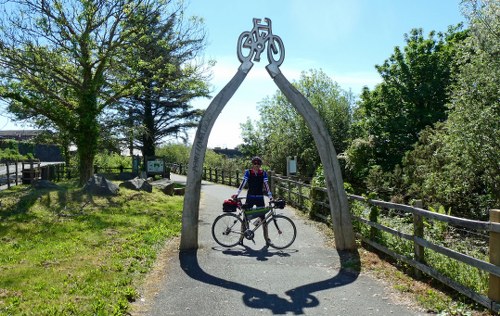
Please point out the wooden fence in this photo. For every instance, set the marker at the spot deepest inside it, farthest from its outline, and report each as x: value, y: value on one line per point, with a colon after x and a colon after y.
x: 314, y: 201
x: 231, y: 178
x: 27, y: 171
x: 296, y: 193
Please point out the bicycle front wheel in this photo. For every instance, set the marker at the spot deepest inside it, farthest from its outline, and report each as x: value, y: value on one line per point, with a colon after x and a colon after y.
x: 226, y: 229
x: 281, y: 232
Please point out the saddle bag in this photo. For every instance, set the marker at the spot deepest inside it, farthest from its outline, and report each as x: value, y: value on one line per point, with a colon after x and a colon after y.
x: 229, y: 205
x: 279, y: 204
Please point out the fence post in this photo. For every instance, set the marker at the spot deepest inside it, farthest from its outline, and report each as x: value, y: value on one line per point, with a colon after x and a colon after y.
x: 494, y: 282
x: 17, y: 173
x: 418, y: 231
x: 238, y: 179
x: 301, y: 200
x: 222, y: 175
x: 8, y: 174
x: 288, y: 186
x: 210, y: 174
x: 271, y: 182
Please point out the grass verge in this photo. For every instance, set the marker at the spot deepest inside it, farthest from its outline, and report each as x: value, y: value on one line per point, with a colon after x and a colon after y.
x: 65, y: 252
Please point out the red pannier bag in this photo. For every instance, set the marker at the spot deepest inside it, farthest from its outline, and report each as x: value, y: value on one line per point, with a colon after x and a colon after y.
x: 229, y: 205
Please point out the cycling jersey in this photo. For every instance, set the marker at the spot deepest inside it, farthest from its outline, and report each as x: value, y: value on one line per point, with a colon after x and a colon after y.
x: 258, y: 183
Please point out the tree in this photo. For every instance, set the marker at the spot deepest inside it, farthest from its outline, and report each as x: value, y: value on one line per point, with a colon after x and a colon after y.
x: 253, y: 141
x: 169, y: 76
x: 63, y: 60
x: 285, y: 132
x: 413, y: 95
x: 464, y: 173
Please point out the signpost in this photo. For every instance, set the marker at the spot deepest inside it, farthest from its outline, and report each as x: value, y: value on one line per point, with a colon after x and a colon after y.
x: 155, y: 166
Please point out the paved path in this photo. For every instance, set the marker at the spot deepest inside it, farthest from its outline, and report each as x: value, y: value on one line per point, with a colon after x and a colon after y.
x: 306, y: 279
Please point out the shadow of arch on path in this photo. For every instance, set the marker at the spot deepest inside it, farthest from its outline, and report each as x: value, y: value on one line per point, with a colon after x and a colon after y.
x: 299, y: 298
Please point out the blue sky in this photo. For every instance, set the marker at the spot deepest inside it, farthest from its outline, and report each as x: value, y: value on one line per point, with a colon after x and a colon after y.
x: 344, y: 38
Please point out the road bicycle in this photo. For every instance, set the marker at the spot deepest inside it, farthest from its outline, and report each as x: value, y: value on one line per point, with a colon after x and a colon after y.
x: 236, y: 221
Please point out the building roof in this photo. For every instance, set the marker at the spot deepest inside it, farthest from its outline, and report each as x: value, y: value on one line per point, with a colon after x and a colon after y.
x: 19, y: 134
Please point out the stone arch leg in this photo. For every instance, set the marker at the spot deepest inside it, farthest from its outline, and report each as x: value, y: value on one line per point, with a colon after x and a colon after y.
x: 190, y: 212
x: 339, y: 207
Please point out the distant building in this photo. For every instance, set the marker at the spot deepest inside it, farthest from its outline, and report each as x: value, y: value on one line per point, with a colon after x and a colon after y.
x: 20, y: 134
x: 230, y: 153
x: 44, y: 152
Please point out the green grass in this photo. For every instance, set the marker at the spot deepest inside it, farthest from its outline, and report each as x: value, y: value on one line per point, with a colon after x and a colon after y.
x: 63, y: 252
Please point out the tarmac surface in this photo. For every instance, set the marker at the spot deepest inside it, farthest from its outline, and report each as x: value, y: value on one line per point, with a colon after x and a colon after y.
x: 308, y: 278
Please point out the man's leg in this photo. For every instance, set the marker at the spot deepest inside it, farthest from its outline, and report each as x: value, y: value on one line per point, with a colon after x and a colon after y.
x: 266, y: 234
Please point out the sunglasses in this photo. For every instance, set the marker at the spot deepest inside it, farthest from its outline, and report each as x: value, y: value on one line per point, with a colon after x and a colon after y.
x: 256, y: 164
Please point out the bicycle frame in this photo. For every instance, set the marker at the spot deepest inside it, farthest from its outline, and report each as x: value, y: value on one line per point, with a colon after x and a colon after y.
x: 228, y: 230
x: 249, y: 232
x: 266, y: 220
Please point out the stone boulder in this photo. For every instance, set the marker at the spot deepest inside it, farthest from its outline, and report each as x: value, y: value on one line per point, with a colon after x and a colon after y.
x: 168, y: 188
x: 137, y: 184
x: 180, y: 191
x: 99, y: 185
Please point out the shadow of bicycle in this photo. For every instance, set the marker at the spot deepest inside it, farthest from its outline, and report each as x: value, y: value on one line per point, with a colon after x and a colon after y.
x: 299, y: 298
x: 259, y: 254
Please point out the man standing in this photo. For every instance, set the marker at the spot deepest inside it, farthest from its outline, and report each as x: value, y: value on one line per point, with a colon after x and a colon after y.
x: 258, y: 183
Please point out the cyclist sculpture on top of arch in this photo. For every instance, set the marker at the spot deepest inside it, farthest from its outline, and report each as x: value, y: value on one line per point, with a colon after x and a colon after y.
x: 251, y: 44
x: 255, y: 41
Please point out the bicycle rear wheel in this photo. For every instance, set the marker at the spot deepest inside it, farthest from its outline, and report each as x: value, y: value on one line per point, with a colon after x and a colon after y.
x: 281, y: 232
x: 226, y: 229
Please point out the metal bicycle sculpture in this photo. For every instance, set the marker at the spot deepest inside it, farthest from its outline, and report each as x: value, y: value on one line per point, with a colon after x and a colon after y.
x: 255, y: 41
x: 250, y: 46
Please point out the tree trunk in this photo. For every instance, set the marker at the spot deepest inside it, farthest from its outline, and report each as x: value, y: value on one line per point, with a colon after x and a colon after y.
x: 87, y: 143
x: 87, y: 136
x: 148, y: 142
x: 86, y: 167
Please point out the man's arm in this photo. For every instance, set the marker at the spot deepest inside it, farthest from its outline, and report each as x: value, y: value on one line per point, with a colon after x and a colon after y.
x: 266, y: 186
x: 242, y: 185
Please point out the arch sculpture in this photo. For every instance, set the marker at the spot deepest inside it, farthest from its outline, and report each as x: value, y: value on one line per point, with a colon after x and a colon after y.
x: 250, y: 46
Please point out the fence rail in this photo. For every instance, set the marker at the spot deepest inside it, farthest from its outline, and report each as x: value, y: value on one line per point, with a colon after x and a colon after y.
x: 294, y: 192
x: 27, y: 171
x: 307, y: 198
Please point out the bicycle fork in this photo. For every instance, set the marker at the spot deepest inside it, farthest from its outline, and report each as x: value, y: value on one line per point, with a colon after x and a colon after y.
x: 277, y: 227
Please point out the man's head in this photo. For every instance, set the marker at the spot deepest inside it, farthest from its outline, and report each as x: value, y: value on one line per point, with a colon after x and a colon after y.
x: 256, y: 161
